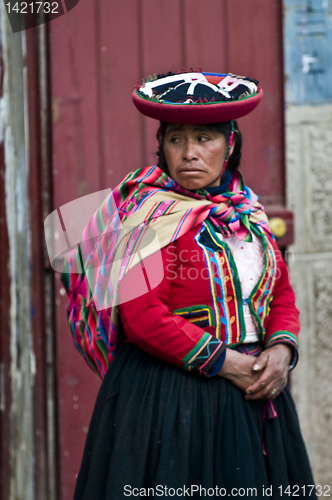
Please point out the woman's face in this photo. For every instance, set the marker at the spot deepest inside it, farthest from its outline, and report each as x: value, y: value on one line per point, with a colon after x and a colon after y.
x: 195, y: 155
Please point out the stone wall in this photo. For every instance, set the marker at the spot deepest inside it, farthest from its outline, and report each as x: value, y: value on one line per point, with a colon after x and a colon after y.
x: 309, y: 190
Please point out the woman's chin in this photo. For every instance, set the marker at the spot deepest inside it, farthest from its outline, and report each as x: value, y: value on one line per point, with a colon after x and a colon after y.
x: 192, y: 184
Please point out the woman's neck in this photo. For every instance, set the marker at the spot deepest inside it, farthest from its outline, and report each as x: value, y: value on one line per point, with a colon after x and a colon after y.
x: 225, y: 179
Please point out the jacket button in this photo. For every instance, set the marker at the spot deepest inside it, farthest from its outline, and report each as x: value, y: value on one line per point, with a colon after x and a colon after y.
x: 232, y: 319
x: 229, y: 298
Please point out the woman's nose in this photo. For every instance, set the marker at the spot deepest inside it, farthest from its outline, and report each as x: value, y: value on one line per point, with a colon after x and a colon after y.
x: 189, y: 151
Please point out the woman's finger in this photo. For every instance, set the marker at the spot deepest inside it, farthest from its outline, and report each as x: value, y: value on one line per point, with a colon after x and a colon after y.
x: 266, y: 378
x: 261, y: 386
x: 261, y: 361
x: 269, y: 377
x: 271, y: 391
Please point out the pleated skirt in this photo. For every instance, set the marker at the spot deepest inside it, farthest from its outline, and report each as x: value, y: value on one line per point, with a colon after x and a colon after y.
x: 158, y: 431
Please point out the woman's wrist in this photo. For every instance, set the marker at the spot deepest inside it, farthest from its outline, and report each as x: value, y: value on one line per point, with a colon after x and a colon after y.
x: 228, y: 365
x: 285, y: 350
x: 233, y: 364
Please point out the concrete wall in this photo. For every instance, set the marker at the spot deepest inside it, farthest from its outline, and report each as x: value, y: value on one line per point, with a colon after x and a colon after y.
x: 309, y: 192
x: 22, y: 363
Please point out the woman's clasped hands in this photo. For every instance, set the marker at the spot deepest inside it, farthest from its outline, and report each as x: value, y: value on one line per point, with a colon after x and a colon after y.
x: 263, y: 377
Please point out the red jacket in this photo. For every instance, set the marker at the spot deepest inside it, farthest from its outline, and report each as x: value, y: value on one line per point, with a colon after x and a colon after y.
x: 190, y: 317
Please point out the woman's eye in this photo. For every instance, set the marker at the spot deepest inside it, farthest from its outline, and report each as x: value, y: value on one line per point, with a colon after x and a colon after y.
x: 203, y: 138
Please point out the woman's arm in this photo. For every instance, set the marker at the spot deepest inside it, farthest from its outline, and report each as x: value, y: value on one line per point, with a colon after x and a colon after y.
x: 149, y: 323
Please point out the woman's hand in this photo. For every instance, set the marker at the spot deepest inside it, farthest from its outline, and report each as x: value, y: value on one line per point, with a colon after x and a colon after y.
x: 238, y: 368
x: 263, y: 377
x: 272, y: 367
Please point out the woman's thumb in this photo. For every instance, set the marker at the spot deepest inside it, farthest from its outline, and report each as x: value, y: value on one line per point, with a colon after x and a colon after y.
x: 261, y: 362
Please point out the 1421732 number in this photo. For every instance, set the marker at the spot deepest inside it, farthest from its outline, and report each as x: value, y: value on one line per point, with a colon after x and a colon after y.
x: 33, y: 7
x: 304, y: 491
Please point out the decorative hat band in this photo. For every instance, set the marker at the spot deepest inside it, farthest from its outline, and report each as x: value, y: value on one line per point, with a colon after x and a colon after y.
x: 196, y: 97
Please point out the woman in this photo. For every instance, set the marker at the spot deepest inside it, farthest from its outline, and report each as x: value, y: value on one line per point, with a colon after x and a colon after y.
x: 184, y: 250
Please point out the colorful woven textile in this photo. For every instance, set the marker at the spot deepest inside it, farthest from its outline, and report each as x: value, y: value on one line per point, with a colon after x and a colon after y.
x: 146, y: 211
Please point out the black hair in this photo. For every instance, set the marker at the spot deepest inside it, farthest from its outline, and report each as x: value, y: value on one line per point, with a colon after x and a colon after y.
x: 224, y: 128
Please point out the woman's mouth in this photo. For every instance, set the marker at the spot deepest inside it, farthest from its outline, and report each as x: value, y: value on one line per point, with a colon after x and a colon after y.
x: 191, y: 170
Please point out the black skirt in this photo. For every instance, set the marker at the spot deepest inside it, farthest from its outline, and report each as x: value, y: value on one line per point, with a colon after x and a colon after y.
x: 158, y: 431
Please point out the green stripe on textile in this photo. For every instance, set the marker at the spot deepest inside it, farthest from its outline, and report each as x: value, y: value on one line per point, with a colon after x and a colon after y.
x: 194, y: 351
x: 283, y: 334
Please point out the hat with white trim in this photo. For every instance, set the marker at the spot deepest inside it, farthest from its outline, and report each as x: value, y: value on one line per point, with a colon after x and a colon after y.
x: 197, y: 97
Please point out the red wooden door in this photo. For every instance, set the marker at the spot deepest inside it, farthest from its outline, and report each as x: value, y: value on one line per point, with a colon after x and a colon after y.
x: 98, y: 51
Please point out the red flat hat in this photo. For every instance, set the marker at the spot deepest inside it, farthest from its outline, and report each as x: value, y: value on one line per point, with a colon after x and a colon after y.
x: 197, y: 98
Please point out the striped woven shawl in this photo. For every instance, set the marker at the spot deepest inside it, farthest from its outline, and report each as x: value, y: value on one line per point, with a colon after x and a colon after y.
x: 145, y: 212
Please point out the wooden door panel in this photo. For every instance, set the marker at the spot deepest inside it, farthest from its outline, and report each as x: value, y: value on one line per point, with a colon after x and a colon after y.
x: 255, y: 49
x: 75, y: 102
x: 205, y: 35
x: 162, y: 51
x: 119, y: 52
x: 76, y: 168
